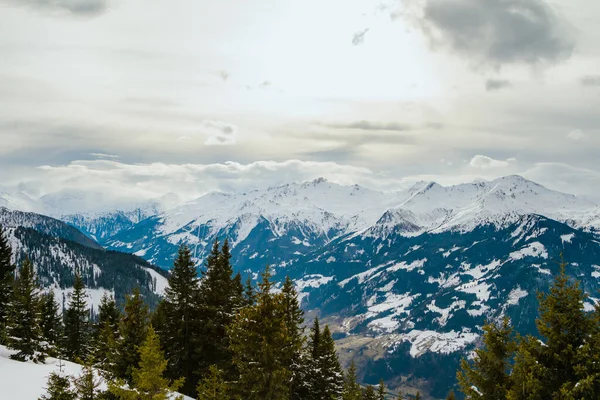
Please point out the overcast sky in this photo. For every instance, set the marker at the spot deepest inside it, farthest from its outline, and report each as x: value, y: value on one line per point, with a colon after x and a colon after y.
x: 140, y: 98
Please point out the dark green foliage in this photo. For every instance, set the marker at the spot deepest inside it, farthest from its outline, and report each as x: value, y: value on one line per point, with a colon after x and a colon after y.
x: 487, y: 377
x: 59, y: 388
x: 295, y: 359
x: 369, y: 393
x: 133, y: 330
x: 418, y: 396
x: 326, y: 379
x: 7, y: 270
x: 177, y: 321
x: 77, y: 323
x: 147, y: 380
x: 220, y: 297
x: 381, y: 391
x: 258, y: 337
x: 213, y: 386
x: 87, y: 385
x: 352, y: 390
x: 51, y: 324
x: 23, y: 329
x: 249, y: 295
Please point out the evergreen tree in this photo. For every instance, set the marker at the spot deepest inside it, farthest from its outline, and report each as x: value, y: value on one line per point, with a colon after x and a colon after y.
x: 220, y: 297
x: 7, y: 270
x: 258, y: 337
x: 148, y: 382
x: 106, y: 332
x: 177, y: 321
x: 59, y: 388
x: 487, y: 377
x: 543, y: 369
x: 295, y: 361
x: 381, y: 391
x: 249, y: 295
x: 24, y: 333
x: 369, y: 393
x: 213, y: 386
x: 87, y: 385
x: 51, y: 324
x: 326, y: 379
x: 77, y: 324
x: 418, y: 396
x: 352, y: 390
x: 451, y: 395
x: 133, y: 330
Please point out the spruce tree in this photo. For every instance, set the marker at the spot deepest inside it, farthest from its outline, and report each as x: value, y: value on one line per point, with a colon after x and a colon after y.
x: 87, y: 384
x: 133, y: 330
x: 326, y: 378
x: 249, y: 295
x: 51, y: 324
x: 296, y: 361
x: 487, y: 377
x: 148, y: 381
x: 418, y: 396
x: 257, y: 340
x: 451, y: 395
x: 543, y: 369
x: 7, y: 270
x: 220, y: 298
x: 106, y: 332
x: 381, y: 390
x: 352, y: 390
x: 77, y: 324
x: 177, y: 321
x: 213, y: 386
x: 23, y: 330
x: 58, y: 388
x: 369, y: 393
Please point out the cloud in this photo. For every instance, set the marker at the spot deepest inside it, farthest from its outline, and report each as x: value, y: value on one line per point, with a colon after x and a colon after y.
x: 103, y: 155
x: 577, y: 135
x: 485, y: 162
x: 497, y: 32
x: 76, y: 7
x: 359, y: 37
x: 590, y: 80
x: 492, y: 85
x: 371, y: 126
x: 224, y: 75
x: 220, y: 133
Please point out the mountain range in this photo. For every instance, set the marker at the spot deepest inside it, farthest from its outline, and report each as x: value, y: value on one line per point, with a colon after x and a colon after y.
x: 405, y: 279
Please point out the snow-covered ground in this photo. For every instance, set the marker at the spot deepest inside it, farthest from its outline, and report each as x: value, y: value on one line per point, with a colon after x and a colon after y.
x: 26, y: 380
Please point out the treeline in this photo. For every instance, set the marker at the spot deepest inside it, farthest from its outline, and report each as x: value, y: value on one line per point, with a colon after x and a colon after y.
x: 210, y: 337
x: 561, y: 362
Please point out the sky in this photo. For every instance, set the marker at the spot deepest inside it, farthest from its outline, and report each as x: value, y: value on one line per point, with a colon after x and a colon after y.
x: 121, y: 100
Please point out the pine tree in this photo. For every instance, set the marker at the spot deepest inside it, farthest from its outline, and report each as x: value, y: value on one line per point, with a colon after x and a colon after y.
x: 148, y: 382
x: 59, y: 388
x: 7, y: 270
x: 24, y: 315
x: 51, y: 324
x: 77, y: 324
x: 487, y: 377
x: 133, y: 330
x: 257, y: 340
x: 177, y: 321
x: 213, y: 386
x: 543, y: 370
x: 369, y: 393
x: 451, y: 395
x: 249, y: 295
x: 326, y: 379
x: 87, y: 385
x: 381, y: 391
x: 352, y: 390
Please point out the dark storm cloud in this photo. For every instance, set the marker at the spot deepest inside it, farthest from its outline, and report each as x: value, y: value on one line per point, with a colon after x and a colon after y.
x: 492, y: 85
x: 75, y: 7
x: 371, y: 126
x: 498, y: 32
x: 359, y: 37
x: 590, y: 80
